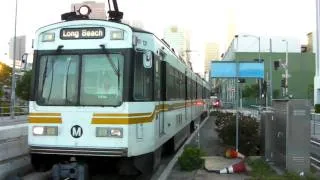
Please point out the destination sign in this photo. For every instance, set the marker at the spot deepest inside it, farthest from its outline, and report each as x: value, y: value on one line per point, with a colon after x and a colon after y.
x: 82, y: 33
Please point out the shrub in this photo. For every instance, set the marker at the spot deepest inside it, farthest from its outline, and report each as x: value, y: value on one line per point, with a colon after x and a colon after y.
x: 214, y: 113
x: 191, y: 158
x: 249, y: 139
x: 317, y: 108
x: 260, y: 169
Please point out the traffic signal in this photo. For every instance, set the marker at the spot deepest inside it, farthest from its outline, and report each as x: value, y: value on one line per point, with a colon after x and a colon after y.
x: 276, y: 64
x: 283, y: 82
x: 264, y: 86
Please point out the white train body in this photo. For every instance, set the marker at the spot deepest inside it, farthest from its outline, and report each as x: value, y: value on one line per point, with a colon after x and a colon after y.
x: 72, y: 112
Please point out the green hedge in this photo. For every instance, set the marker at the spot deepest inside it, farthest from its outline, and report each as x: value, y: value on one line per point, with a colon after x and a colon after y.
x: 191, y: 158
x: 317, y: 108
x: 249, y: 137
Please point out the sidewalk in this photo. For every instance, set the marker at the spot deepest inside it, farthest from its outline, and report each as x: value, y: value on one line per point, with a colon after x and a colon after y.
x: 7, y: 120
x: 210, y: 143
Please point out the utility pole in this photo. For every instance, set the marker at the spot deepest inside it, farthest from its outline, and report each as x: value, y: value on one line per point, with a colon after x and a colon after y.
x: 316, y: 79
x: 286, y: 67
x: 270, y: 68
x: 260, y: 80
x: 13, y: 76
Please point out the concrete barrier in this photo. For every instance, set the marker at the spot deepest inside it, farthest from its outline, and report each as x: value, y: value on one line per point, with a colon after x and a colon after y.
x: 13, y: 149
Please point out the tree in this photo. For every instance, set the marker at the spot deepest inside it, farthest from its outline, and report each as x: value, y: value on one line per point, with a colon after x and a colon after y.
x: 250, y: 91
x: 276, y: 94
x: 310, y: 91
x: 5, y: 74
x: 24, y: 85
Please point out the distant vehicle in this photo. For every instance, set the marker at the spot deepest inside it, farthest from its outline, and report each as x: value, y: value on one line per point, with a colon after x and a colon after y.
x: 216, y: 102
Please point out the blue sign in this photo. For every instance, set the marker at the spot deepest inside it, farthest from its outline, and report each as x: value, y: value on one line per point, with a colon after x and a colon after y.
x: 223, y: 69
x: 251, y: 70
x: 227, y: 69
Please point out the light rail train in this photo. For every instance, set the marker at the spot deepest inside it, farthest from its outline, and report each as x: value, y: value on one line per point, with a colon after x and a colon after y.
x: 104, y: 91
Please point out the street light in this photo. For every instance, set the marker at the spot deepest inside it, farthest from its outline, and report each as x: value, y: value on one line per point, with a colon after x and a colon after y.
x: 259, y: 56
x: 270, y: 72
x: 13, y: 80
x: 259, y: 40
x: 286, y: 69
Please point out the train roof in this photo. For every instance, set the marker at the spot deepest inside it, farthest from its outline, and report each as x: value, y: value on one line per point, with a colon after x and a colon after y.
x: 134, y: 29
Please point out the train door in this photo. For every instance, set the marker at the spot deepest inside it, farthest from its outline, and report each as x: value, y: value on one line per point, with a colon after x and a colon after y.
x: 160, y: 91
x: 192, y: 90
x: 186, y: 96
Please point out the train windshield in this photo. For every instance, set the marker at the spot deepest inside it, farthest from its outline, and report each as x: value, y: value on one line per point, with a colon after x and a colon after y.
x: 87, y: 79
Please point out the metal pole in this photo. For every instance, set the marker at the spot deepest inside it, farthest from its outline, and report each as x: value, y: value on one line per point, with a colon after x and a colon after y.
x: 317, y: 36
x: 259, y: 49
x: 270, y: 67
x: 259, y: 80
x: 286, y: 70
x: 241, y: 99
x: 13, y: 80
x: 266, y: 90
x: 237, y: 106
x: 316, y: 97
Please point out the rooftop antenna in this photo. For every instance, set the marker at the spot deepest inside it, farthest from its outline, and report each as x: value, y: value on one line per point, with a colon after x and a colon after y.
x: 114, y: 15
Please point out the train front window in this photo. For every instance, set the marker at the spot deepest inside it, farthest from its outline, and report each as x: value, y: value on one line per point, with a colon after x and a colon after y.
x: 58, y: 79
x: 100, y: 77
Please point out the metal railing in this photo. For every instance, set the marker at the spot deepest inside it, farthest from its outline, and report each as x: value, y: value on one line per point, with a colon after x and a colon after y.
x: 18, y: 110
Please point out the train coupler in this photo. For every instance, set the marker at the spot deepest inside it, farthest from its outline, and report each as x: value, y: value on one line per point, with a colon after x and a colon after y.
x: 73, y: 170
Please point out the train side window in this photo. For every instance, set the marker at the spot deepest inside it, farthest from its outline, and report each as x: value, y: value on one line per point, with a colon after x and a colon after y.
x: 157, y: 79
x: 182, y: 86
x: 189, y: 89
x: 143, y: 82
x: 177, y: 84
x: 170, y: 83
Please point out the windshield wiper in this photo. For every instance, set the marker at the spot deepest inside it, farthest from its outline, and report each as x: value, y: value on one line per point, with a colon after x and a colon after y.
x: 115, y: 69
x: 51, y: 83
x: 67, y: 101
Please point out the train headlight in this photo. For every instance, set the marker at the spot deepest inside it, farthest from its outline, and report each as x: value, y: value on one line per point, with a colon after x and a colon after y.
x: 116, y: 132
x: 101, y: 132
x: 51, y: 131
x: 109, y: 132
x: 117, y: 35
x: 45, y: 130
x: 84, y: 10
x: 48, y: 37
x: 38, y: 130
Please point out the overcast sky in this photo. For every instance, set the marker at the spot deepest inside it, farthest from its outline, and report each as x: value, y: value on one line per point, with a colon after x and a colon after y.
x: 207, y: 19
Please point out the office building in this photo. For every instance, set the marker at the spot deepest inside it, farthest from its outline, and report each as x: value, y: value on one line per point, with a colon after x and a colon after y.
x: 179, y: 40
x: 20, y: 48
x: 211, y: 53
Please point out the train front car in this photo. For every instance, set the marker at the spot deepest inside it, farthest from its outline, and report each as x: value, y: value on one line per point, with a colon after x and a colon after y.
x: 80, y: 97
